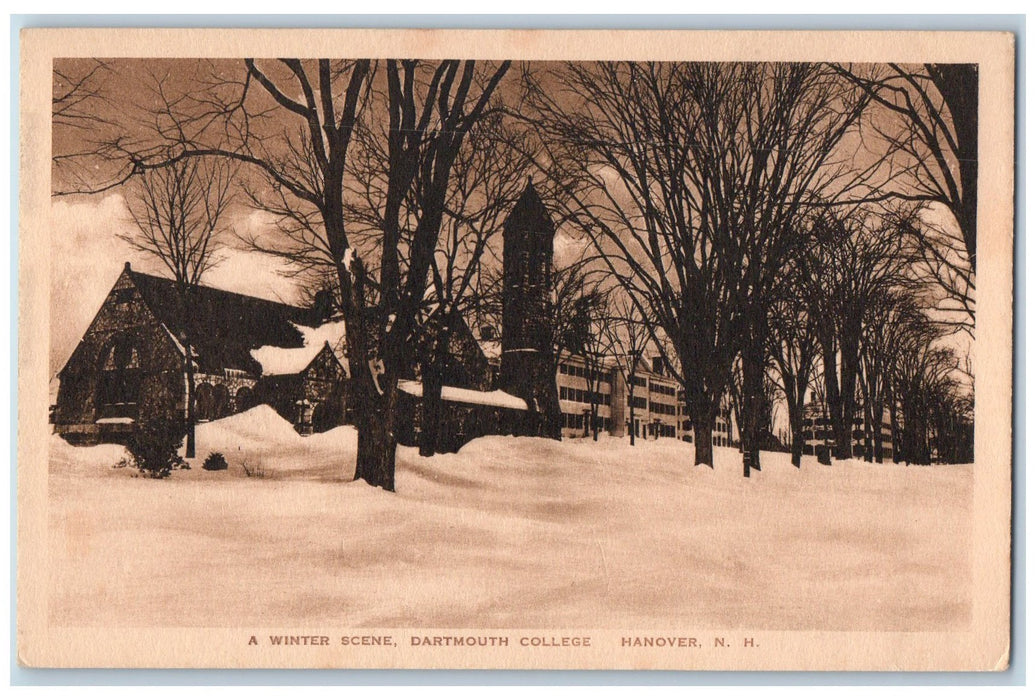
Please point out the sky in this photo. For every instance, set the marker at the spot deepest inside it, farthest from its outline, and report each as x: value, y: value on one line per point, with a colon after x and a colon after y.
x: 87, y: 253
x: 87, y: 257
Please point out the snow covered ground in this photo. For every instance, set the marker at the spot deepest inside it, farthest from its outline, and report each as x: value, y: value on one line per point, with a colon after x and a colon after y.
x: 510, y: 532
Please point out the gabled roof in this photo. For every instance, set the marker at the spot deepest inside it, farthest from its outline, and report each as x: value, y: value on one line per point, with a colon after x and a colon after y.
x: 279, y: 360
x: 224, y: 326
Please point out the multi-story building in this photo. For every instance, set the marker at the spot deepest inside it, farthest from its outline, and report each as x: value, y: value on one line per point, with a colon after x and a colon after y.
x: 818, y: 432
x: 658, y: 410
x: 722, y: 426
x: 577, y: 382
x: 655, y: 409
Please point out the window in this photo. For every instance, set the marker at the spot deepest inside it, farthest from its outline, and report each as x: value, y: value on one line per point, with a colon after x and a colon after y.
x: 122, y: 297
x: 118, y: 386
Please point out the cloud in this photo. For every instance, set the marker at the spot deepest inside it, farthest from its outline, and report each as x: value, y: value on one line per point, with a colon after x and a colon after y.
x: 87, y: 257
x: 568, y: 249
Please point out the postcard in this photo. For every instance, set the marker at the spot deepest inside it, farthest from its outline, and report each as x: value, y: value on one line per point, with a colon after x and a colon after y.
x: 515, y: 349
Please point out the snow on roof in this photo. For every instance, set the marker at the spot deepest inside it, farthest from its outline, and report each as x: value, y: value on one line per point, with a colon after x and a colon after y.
x: 276, y: 360
x: 456, y: 394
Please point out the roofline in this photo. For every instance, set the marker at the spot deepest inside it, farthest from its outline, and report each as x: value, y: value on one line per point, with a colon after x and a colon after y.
x: 134, y: 273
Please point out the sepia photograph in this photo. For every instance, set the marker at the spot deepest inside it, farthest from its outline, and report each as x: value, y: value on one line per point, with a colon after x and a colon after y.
x: 547, y: 357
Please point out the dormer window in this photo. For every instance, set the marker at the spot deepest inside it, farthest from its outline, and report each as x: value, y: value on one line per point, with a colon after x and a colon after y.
x: 123, y: 297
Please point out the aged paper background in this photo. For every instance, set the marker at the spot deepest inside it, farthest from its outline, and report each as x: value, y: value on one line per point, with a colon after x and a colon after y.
x: 981, y: 645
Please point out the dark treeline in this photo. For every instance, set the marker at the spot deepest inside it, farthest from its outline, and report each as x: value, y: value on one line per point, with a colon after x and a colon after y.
x: 805, y: 229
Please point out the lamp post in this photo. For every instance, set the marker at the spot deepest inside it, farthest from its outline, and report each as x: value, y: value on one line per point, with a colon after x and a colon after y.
x: 633, y: 383
x: 190, y: 407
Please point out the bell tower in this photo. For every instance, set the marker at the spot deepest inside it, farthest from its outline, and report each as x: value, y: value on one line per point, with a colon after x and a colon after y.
x: 526, y: 360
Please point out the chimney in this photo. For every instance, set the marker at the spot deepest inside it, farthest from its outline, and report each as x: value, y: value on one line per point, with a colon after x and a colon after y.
x: 323, y: 304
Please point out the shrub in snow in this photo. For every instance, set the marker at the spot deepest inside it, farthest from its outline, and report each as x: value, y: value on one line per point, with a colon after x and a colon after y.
x: 254, y: 470
x: 123, y: 463
x: 215, y: 462
x: 154, y: 445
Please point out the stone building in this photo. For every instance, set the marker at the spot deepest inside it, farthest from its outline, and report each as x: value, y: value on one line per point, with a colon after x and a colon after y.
x: 131, y: 364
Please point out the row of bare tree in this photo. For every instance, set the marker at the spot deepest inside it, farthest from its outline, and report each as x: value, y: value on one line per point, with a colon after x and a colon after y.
x: 713, y: 192
x: 720, y: 202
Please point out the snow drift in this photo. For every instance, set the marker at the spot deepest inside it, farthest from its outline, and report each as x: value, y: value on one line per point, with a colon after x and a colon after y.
x: 509, y: 532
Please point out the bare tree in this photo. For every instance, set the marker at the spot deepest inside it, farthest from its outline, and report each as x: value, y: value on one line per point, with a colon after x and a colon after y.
x: 619, y: 139
x: 431, y: 110
x: 941, y: 265
x: 689, y: 179
x: 77, y: 102
x: 852, y: 265
x: 292, y: 122
x: 487, y: 179
x: 578, y: 293
x: 595, y: 345
x: 891, y: 310
x: 930, y: 124
x: 792, y: 345
x: 924, y: 384
x: 628, y: 336
x: 179, y: 213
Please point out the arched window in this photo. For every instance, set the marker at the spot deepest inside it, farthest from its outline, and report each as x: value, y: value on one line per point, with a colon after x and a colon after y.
x: 220, y: 401
x: 244, y: 399
x: 118, y: 387
x: 204, y: 402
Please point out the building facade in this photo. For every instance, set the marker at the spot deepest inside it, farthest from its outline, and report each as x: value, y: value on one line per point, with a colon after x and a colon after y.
x: 131, y: 364
x: 658, y: 410
x: 817, y: 432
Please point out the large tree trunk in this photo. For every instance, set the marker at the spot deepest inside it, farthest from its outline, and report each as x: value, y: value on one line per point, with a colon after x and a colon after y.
x: 376, y: 441
x: 829, y: 358
x: 847, y: 405
x: 877, y: 421
x: 897, y: 434
x: 797, y: 442
x: 958, y: 85
x: 703, y: 439
x: 754, y: 400
x: 374, y: 399
x: 432, y: 417
x: 868, y: 436
x: 633, y: 415
x: 188, y: 338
